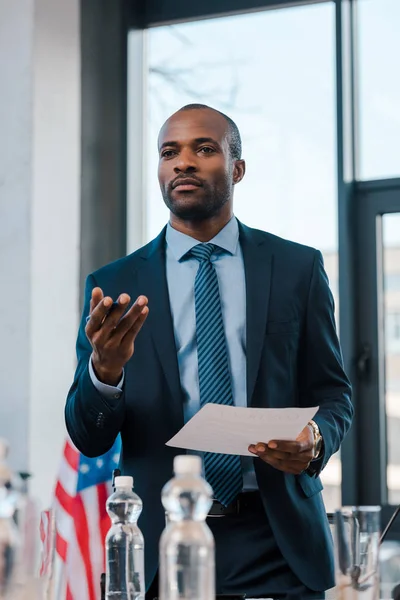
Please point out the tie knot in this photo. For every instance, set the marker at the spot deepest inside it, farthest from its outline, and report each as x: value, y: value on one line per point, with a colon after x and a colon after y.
x: 202, y: 252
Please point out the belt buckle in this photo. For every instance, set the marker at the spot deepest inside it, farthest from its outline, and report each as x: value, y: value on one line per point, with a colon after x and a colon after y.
x: 231, y: 509
x: 216, y: 502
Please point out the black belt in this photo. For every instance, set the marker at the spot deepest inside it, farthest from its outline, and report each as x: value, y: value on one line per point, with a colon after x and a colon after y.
x: 243, y: 502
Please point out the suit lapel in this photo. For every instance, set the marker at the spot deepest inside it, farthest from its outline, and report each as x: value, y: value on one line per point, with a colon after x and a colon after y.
x: 152, y: 282
x: 258, y: 259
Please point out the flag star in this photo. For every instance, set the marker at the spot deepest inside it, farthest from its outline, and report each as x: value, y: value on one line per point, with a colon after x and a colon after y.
x: 84, y: 468
x: 99, y: 462
x: 116, y: 458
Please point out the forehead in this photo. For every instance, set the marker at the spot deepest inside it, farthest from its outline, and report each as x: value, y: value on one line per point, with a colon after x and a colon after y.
x: 186, y: 126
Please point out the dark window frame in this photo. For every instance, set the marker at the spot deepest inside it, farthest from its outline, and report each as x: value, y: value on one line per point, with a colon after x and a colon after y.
x: 154, y: 13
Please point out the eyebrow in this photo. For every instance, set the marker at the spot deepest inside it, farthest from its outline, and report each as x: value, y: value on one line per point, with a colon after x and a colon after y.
x: 202, y: 140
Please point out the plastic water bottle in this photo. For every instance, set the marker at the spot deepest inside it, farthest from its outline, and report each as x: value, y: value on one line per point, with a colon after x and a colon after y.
x: 124, y: 544
x: 187, y: 555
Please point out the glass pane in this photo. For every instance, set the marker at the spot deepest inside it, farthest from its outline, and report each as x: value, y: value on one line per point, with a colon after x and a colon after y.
x: 278, y: 85
x: 379, y: 62
x: 391, y: 279
x: 389, y: 564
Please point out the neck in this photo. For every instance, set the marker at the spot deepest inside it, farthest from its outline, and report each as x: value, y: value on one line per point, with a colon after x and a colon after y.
x: 203, y: 231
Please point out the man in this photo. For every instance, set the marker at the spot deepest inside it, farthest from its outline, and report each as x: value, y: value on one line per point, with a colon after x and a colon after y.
x: 228, y: 314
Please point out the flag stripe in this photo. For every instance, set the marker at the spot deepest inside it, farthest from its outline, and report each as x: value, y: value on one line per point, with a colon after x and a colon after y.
x: 68, y: 477
x: 44, y: 524
x: 61, y: 547
x: 93, y: 512
x: 46, y: 539
x: 82, y: 534
x: 103, y: 493
x: 64, y: 521
x: 66, y: 501
x: 71, y: 455
x: 75, y: 570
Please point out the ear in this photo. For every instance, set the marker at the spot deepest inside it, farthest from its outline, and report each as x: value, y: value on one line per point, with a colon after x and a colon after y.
x: 239, y: 169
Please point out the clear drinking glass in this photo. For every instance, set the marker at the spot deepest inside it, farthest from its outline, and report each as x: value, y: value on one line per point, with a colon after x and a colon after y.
x: 356, y: 537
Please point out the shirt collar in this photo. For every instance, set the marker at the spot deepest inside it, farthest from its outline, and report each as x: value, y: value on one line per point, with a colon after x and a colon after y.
x: 180, y: 243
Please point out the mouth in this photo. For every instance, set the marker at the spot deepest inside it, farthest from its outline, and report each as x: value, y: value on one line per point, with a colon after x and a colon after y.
x: 186, y: 185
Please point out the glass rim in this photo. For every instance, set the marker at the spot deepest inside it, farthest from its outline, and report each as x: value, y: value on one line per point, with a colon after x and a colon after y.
x: 362, y: 508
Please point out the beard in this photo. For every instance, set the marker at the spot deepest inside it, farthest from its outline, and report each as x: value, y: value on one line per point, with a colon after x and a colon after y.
x: 203, y: 204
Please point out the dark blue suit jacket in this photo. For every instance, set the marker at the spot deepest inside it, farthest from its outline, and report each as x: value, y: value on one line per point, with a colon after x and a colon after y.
x: 293, y: 359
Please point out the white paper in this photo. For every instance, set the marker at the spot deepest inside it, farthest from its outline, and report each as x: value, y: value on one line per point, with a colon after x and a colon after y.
x: 231, y: 429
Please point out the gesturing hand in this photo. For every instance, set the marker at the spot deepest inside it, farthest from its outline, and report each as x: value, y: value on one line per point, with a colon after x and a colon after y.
x: 289, y: 457
x: 112, y: 333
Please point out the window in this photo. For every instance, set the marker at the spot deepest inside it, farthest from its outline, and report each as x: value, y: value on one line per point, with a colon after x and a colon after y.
x: 278, y: 85
x: 379, y: 51
x: 391, y: 315
x: 392, y: 331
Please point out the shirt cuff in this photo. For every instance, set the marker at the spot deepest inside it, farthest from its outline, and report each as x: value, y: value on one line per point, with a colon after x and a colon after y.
x: 316, y: 463
x: 109, y: 392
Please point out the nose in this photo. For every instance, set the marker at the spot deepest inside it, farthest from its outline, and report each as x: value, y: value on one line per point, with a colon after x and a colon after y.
x: 185, y: 162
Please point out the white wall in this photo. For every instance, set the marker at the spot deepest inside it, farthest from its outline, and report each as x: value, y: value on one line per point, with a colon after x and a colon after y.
x: 16, y: 43
x: 39, y: 228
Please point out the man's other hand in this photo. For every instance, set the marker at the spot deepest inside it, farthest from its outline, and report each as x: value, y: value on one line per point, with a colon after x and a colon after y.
x: 289, y: 457
x: 111, y: 331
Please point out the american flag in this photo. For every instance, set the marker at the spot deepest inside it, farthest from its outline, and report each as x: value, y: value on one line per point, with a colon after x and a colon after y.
x: 81, y: 522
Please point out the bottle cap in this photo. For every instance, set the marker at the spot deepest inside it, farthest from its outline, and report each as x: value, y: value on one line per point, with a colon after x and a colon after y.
x: 124, y: 481
x: 186, y: 464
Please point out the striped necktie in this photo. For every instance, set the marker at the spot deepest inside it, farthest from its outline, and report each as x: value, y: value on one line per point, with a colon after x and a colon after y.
x: 222, y: 471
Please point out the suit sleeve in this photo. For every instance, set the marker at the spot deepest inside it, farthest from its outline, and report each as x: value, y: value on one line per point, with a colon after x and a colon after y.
x: 93, y: 421
x: 323, y: 381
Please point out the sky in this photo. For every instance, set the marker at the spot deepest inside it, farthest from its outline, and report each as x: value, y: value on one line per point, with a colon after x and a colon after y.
x: 273, y: 72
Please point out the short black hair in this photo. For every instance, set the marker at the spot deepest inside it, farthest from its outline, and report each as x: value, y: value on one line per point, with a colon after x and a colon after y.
x: 235, y: 141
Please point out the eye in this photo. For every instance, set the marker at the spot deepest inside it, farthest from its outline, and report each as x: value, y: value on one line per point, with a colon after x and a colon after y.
x: 206, y: 150
x: 168, y: 153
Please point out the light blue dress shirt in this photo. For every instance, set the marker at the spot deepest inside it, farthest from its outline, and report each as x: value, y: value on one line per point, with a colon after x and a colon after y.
x: 181, y: 272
